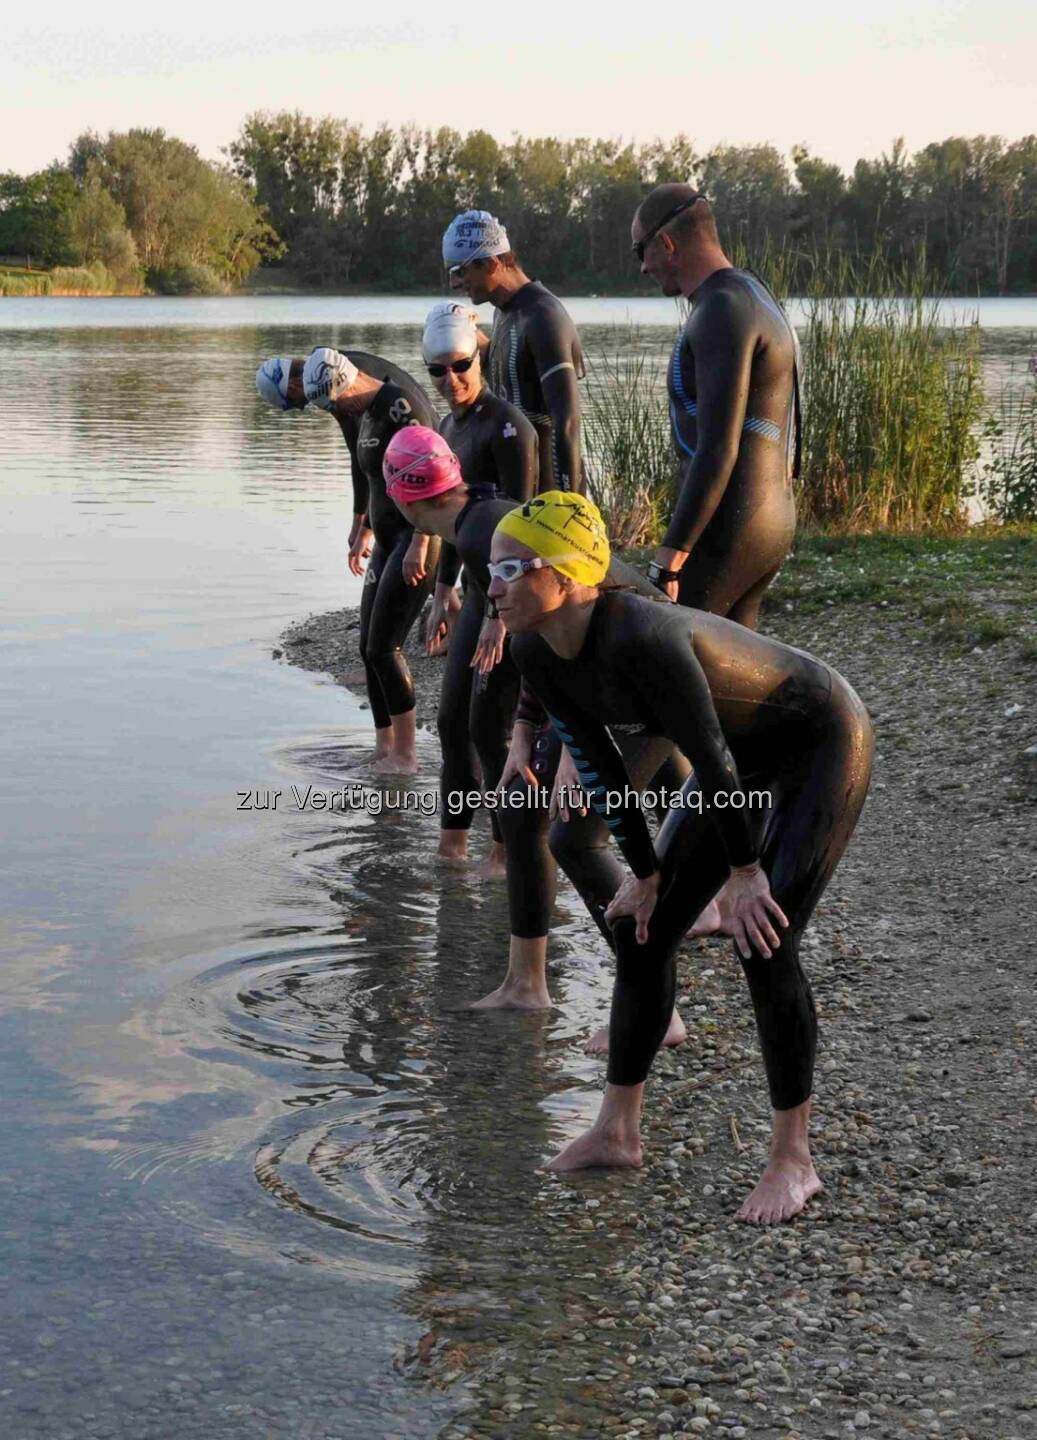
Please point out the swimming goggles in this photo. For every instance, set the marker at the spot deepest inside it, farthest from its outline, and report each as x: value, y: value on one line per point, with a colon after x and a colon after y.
x: 639, y: 245
x: 457, y: 366
x: 511, y: 570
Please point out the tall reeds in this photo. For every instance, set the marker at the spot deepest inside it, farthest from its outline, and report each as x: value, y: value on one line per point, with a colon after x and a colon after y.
x: 27, y: 284
x: 631, y: 463
x: 892, y: 403
x: 892, y: 406
x: 1008, y: 482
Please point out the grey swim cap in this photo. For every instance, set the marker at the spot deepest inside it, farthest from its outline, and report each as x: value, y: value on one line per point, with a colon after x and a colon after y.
x: 473, y: 235
x: 326, y: 375
x: 449, y: 327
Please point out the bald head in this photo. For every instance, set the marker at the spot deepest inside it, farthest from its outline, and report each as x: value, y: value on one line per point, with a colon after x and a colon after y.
x: 696, y: 221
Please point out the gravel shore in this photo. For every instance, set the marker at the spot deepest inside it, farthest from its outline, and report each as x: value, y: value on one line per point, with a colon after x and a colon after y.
x: 903, y: 1301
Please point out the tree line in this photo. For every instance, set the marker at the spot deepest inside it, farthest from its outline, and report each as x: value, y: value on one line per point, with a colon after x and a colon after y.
x: 333, y: 205
x: 140, y: 208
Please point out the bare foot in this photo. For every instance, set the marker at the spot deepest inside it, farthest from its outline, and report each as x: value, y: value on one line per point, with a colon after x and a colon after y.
x: 394, y: 764
x: 510, y: 996
x: 676, y: 1034
x: 453, y: 851
x: 781, y: 1192
x: 492, y: 866
x: 709, y: 922
x: 598, y: 1147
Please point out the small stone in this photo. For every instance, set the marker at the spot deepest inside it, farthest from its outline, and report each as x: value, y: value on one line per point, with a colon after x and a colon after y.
x: 862, y: 1419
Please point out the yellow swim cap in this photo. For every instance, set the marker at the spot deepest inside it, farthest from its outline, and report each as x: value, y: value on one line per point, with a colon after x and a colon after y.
x: 564, y: 529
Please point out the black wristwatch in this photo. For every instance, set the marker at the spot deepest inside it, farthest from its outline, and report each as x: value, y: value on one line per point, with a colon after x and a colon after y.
x: 659, y: 576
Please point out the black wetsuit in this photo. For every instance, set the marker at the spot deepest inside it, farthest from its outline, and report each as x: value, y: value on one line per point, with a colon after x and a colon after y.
x: 732, y: 384
x: 535, y: 360
x: 388, y: 605
x: 751, y: 714
x: 497, y: 447
x: 529, y: 836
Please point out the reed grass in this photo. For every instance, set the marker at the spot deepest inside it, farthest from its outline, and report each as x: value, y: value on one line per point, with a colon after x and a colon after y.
x: 11, y: 283
x: 892, y: 404
x: 1008, y: 482
x: 631, y: 464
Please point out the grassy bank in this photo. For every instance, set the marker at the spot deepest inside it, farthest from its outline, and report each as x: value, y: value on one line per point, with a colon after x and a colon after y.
x: 968, y: 589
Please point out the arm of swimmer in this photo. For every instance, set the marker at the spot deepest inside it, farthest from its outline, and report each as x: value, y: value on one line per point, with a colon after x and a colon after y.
x: 449, y: 565
x: 361, y: 488
x: 723, y: 359
x: 555, y: 354
x: 514, y: 448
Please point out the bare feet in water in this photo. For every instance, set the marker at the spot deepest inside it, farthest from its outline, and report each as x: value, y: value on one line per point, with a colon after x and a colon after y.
x: 598, y: 1044
x: 394, y: 764
x: 492, y: 866
x: 453, y: 848
x: 598, y: 1147
x: 782, y: 1191
x: 512, y: 996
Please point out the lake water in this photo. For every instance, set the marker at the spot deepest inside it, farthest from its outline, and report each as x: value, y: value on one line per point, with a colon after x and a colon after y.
x: 254, y: 1144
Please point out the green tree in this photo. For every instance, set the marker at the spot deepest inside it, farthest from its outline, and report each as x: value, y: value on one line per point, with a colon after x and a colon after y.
x: 36, y: 216
x: 99, y: 233
x: 181, y: 210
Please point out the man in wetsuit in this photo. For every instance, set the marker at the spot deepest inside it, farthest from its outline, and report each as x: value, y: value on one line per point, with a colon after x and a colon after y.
x: 535, y: 357
x: 279, y: 383
x: 733, y: 390
x: 403, y: 564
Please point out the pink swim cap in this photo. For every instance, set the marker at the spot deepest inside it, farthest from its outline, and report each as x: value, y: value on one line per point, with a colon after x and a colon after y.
x: 418, y: 464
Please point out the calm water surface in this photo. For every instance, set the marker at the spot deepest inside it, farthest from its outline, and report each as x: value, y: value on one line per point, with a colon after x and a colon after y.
x: 254, y: 1144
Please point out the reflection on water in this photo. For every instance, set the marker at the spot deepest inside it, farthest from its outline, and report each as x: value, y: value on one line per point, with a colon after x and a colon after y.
x: 265, y: 1174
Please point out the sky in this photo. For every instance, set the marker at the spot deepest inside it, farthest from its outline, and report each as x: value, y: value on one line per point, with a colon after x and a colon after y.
x: 845, y: 84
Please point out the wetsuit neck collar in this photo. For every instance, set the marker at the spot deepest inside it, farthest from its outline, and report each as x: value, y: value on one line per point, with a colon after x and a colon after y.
x: 382, y: 399
x: 695, y: 294
x: 522, y: 290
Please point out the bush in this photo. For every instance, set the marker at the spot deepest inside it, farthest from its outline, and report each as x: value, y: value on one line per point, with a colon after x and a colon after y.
x: 188, y: 280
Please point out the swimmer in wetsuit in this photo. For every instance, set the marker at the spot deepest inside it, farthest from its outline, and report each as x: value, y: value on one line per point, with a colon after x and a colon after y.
x: 496, y: 448
x: 423, y: 478
x: 402, y: 565
x: 279, y: 383
x: 733, y: 392
x: 748, y: 712
x: 534, y: 356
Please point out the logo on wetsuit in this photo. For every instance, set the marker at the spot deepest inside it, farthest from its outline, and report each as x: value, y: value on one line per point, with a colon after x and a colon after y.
x: 398, y: 409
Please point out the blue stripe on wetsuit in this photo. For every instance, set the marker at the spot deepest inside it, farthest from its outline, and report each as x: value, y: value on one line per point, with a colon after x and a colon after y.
x: 766, y: 429
x: 588, y: 777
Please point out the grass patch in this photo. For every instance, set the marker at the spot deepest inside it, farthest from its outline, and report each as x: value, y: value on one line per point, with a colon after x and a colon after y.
x: 969, y: 589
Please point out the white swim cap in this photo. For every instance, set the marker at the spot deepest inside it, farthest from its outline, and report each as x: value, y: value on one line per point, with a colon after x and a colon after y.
x: 449, y: 327
x: 326, y: 375
x: 272, y: 381
x: 473, y: 235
